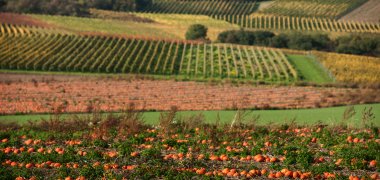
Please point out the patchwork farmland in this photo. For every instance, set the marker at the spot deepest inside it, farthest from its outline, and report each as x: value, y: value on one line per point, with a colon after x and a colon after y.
x: 189, y: 89
x: 80, y: 94
x: 262, y: 21
x: 23, y: 50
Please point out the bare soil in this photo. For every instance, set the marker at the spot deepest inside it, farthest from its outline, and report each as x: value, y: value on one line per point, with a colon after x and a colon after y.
x: 368, y: 12
x: 48, y: 93
x: 19, y: 19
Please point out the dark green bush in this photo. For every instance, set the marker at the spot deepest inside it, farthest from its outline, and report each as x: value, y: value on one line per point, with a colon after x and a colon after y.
x: 196, y: 32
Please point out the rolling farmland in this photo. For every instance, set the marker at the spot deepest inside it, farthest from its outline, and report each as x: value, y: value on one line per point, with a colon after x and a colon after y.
x: 330, y: 9
x: 162, y: 25
x: 270, y: 22
x: 203, y: 7
x: 368, y: 12
x: 41, y: 94
x: 351, y: 68
x: 29, y: 50
x: 112, y: 90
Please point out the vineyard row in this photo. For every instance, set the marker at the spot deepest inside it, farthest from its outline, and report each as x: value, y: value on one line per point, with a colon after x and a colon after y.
x: 57, y: 52
x: 203, y: 7
x: 331, y: 9
x: 299, y: 23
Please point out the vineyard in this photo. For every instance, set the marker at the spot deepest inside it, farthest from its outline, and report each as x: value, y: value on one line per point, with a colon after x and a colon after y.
x: 331, y: 9
x: 27, y: 50
x: 121, y: 23
x: 270, y: 22
x: 351, y: 68
x: 189, y: 89
x: 203, y: 7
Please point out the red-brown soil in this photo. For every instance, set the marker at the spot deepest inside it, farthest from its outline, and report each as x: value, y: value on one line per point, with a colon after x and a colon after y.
x: 37, y: 94
x: 19, y: 19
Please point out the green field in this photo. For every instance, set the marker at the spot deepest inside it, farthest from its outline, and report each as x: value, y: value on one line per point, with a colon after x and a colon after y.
x: 165, y: 25
x: 309, y: 68
x: 205, y: 7
x: 316, y: 8
x: 329, y: 116
x: 25, y: 49
x: 281, y: 24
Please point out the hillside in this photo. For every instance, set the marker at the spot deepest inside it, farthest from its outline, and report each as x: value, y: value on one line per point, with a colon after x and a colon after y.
x: 368, y: 12
x: 189, y: 89
x: 330, y: 9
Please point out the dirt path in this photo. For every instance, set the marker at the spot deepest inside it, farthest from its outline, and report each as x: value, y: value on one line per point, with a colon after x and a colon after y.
x: 42, y: 94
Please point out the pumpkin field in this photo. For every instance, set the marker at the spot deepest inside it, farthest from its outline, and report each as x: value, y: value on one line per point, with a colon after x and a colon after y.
x: 189, y: 89
x: 186, y: 149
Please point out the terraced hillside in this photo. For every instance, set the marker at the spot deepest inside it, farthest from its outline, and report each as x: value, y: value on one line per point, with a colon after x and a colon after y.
x: 331, y: 9
x: 168, y: 26
x: 203, y: 7
x: 272, y: 22
x: 24, y: 49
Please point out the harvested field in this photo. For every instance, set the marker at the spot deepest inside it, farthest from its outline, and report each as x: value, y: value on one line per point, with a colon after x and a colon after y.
x: 96, y: 13
x: 19, y: 19
x: 368, y: 12
x: 83, y: 95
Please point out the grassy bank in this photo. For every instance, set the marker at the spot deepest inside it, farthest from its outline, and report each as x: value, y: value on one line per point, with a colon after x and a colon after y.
x: 329, y: 116
x: 309, y: 69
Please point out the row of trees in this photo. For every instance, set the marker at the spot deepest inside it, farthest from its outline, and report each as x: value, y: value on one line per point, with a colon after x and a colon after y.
x: 70, y: 7
x: 351, y: 44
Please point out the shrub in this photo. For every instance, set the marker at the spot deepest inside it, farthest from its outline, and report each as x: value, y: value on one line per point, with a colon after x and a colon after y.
x: 196, y: 32
x: 280, y: 41
x: 246, y: 37
x: 355, y: 44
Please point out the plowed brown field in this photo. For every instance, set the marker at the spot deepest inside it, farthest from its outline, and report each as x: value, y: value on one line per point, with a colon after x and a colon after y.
x: 18, y: 19
x: 83, y: 94
x: 368, y: 12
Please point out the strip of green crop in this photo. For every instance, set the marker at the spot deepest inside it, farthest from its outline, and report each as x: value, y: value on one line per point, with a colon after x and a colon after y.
x: 162, y: 53
x: 103, y: 63
x: 116, y: 56
x: 168, y: 55
x: 174, y: 59
x: 131, y: 55
x: 148, y: 67
x: 62, y: 61
x: 43, y: 52
x: 38, y: 62
x: 120, y: 63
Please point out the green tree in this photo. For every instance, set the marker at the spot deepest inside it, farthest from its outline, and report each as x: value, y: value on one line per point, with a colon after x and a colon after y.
x: 355, y: 44
x: 3, y: 3
x: 196, y: 32
x: 321, y: 41
x: 300, y: 41
x: 280, y: 41
x: 263, y: 37
x: 24, y: 6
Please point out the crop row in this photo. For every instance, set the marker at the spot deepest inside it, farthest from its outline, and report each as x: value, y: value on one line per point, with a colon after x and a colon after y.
x: 204, y: 7
x: 351, y: 68
x: 57, y: 52
x: 331, y: 9
x: 14, y: 30
x: 299, y: 23
x: 186, y: 150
